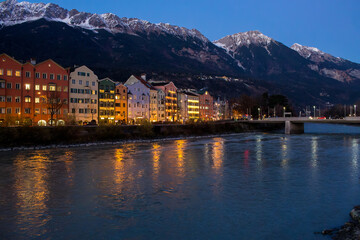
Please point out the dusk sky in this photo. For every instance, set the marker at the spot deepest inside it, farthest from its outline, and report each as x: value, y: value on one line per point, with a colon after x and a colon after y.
x: 333, y: 26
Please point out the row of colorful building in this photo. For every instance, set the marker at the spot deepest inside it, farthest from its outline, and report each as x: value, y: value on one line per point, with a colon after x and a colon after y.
x: 48, y: 94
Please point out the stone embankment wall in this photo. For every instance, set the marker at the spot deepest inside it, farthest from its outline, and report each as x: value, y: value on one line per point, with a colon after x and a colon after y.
x: 34, y: 136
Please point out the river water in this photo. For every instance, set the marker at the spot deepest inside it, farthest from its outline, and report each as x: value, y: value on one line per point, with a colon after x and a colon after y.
x: 244, y: 186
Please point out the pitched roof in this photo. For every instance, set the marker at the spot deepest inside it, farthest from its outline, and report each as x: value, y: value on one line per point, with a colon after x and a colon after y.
x: 145, y: 82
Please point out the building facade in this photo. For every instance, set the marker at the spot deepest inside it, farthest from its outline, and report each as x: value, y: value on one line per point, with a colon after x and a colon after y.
x: 188, y: 105
x: 206, y: 103
x: 83, y: 95
x: 138, y: 99
x: 121, y: 104
x: 106, y: 101
x: 170, y: 90
x: 161, y: 105
x: 33, y: 94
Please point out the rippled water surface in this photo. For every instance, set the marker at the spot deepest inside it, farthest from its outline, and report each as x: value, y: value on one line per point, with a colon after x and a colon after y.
x: 246, y: 186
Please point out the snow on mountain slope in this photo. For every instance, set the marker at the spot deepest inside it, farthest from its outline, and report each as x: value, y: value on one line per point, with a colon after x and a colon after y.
x: 13, y: 12
x: 315, y: 54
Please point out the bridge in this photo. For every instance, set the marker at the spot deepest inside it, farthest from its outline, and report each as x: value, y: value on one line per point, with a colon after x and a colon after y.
x: 295, y: 125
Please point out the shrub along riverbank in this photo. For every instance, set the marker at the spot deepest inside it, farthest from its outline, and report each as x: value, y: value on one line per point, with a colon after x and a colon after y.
x: 40, y: 136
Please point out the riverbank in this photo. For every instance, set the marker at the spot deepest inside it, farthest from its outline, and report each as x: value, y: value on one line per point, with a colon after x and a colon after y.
x: 40, y: 137
x: 350, y: 230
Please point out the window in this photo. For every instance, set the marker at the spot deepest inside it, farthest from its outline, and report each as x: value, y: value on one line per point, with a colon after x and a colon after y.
x: 65, y: 78
x: 9, y: 72
x: 17, y: 85
x: 44, y: 88
x: 8, y: 99
x: 51, y: 76
x: 81, y: 74
x: 87, y: 83
x: 1, y: 71
x: 17, y: 73
x: 2, y: 98
x: 8, y: 85
x: 80, y: 82
x: 93, y: 83
x: 2, y: 110
x: 73, y: 81
x: 37, y: 87
x: 8, y: 110
x: 37, y: 100
x: 37, y: 111
x: 65, y: 89
x: 81, y: 110
x: 27, y: 74
x: 65, y: 111
x: 73, y: 110
x: 37, y: 75
x: 44, y: 111
x: 44, y: 76
x: 27, y: 110
x: 27, y: 99
x: 52, y: 88
x: 88, y: 74
x: 17, y: 99
x: 2, y: 84
x: 58, y: 77
x: 17, y: 110
x: 27, y: 86
x: 59, y: 88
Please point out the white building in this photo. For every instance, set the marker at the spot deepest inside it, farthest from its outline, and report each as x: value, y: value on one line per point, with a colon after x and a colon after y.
x: 138, y: 98
x: 83, y: 95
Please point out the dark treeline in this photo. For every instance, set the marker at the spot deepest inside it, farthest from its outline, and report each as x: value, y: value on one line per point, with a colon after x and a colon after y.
x: 264, y: 105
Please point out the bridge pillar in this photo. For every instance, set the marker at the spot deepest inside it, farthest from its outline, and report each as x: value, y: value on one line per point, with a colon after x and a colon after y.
x: 294, y: 128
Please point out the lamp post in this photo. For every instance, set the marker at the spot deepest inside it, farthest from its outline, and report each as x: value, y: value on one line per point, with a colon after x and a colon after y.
x: 354, y: 110
x: 259, y: 113
x: 284, y: 108
x: 314, y: 111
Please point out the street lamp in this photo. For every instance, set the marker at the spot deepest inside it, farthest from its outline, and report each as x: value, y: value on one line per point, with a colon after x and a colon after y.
x: 354, y: 110
x: 284, y: 108
x: 259, y: 113
x: 314, y: 111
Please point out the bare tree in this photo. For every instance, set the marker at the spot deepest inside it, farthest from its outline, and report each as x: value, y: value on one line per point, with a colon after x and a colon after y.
x: 54, y: 104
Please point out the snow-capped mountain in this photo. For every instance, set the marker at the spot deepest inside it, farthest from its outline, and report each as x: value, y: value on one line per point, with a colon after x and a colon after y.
x: 328, y: 65
x: 13, y: 12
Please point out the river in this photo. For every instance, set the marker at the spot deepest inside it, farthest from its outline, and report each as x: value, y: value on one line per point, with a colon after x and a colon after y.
x: 244, y: 186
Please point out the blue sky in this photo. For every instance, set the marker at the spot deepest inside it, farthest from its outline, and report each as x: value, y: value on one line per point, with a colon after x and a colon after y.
x: 333, y: 26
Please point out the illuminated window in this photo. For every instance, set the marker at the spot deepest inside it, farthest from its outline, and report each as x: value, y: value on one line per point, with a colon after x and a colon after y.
x: 17, y: 73
x: 1, y: 71
x: 44, y: 88
x: 59, y: 89
x: 37, y: 100
x: 37, y: 87
x: 27, y: 86
x: 52, y: 88
x: 37, y: 111
x: 27, y: 99
x: 65, y: 89
x: 9, y: 72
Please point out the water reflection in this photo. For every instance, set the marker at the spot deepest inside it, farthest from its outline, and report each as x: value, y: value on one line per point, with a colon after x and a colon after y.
x: 180, y: 150
x: 259, y: 149
x: 355, y: 153
x: 285, y: 152
x: 156, y: 152
x: 32, y: 192
x: 119, y: 166
x: 218, y: 153
x: 314, y: 151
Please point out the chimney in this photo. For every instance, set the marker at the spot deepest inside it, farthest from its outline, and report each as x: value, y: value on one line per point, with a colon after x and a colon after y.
x: 33, y: 61
x: 143, y: 76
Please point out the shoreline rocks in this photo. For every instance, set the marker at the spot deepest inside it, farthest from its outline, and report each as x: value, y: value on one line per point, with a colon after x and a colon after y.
x: 350, y: 230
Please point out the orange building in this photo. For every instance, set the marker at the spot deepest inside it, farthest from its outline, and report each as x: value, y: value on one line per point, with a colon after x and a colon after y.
x: 170, y: 91
x: 121, y: 111
x: 32, y: 93
x: 206, y: 103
